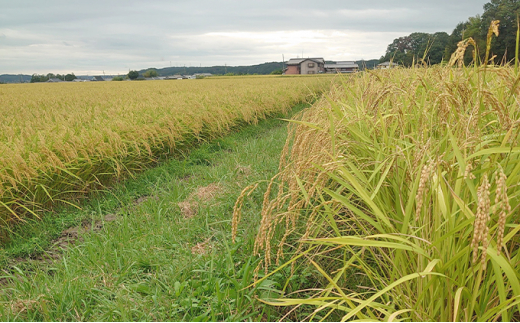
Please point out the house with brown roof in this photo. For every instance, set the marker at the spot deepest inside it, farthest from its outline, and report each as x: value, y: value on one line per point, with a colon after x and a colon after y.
x: 305, y: 66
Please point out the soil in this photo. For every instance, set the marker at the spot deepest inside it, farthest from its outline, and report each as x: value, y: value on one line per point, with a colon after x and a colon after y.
x: 202, y: 248
x: 189, y: 207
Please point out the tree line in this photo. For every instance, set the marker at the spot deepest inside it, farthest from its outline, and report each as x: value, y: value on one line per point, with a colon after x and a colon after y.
x: 438, y: 47
x: 44, y: 78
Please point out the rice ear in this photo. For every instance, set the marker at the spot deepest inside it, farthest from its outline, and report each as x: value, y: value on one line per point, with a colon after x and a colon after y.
x: 493, y: 29
x: 458, y: 56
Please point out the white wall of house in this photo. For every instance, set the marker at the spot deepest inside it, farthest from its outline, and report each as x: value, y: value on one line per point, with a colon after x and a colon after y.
x: 309, y: 67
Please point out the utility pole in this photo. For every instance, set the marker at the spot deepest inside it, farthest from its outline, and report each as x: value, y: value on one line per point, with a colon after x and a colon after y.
x: 283, y: 63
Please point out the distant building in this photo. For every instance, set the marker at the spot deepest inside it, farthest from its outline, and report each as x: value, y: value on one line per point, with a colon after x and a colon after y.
x: 305, y: 66
x: 342, y: 67
x: 155, y: 78
x: 97, y: 78
x: 54, y: 80
x: 174, y: 77
x: 387, y: 65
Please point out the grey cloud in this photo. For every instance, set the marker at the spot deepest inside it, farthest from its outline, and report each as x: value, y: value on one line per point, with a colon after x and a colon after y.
x: 119, y: 34
x: 196, y: 16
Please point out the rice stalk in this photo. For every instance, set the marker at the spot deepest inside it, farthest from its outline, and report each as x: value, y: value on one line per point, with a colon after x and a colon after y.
x: 386, y: 183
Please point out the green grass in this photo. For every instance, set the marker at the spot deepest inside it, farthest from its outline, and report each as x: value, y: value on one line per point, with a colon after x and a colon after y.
x: 141, y: 266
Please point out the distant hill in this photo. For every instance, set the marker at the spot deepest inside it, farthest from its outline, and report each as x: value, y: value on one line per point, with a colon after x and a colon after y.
x: 265, y: 68
x: 12, y: 78
x: 262, y: 69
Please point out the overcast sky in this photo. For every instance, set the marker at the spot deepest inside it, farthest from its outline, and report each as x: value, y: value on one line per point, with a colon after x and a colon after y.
x: 91, y: 36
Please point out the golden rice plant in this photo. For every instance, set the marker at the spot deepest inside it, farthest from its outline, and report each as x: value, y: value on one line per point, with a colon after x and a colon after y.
x: 400, y: 188
x: 61, y: 141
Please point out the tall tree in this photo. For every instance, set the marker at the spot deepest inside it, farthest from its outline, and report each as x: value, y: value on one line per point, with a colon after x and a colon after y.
x: 151, y: 73
x: 133, y: 75
x: 437, y: 44
x: 35, y: 78
x: 417, y: 46
x: 70, y: 77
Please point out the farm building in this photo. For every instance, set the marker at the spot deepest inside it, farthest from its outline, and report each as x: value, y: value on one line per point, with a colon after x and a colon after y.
x: 342, y: 67
x: 97, y: 78
x: 155, y: 78
x: 174, y: 77
x: 305, y: 66
x: 54, y: 80
x: 386, y: 65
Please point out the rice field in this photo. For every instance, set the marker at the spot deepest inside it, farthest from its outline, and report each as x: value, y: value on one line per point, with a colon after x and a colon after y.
x: 399, y: 189
x: 60, y: 141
